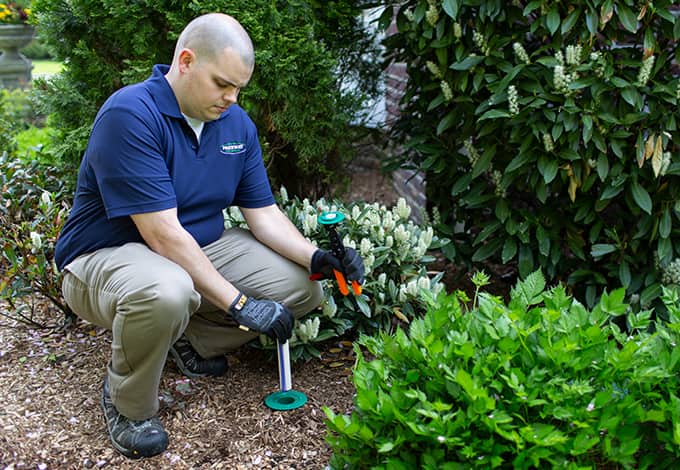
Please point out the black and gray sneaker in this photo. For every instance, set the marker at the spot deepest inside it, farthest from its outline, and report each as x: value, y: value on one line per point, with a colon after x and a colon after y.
x: 133, y: 439
x: 192, y: 364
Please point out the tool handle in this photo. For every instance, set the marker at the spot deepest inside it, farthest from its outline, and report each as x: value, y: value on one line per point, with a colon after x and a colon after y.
x: 356, y: 288
x: 342, y: 283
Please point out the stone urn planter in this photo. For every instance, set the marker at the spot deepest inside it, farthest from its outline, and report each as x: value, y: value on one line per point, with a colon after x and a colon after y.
x: 15, y: 69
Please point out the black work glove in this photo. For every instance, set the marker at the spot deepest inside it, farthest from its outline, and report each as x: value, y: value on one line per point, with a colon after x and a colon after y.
x: 263, y: 316
x: 351, y: 265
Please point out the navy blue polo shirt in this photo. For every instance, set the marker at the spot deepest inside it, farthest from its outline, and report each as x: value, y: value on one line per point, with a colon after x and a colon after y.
x: 143, y: 156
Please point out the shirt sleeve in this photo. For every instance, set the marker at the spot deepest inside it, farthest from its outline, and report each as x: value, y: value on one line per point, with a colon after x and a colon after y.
x: 127, y: 160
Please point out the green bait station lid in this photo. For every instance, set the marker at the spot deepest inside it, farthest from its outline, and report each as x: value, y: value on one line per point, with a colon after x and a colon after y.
x: 284, y: 401
x: 330, y: 218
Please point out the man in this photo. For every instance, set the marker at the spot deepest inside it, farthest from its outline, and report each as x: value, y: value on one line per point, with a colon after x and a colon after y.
x: 144, y: 252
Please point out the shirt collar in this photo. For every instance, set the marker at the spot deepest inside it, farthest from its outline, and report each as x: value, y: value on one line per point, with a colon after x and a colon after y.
x: 162, y: 92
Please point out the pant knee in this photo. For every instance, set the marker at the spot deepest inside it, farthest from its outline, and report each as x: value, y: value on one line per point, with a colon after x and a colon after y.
x: 169, y: 301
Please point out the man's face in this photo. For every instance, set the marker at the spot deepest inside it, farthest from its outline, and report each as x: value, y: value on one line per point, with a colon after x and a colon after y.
x: 214, y: 85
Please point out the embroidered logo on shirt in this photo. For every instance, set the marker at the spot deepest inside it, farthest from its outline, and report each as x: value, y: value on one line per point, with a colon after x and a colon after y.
x: 233, y: 148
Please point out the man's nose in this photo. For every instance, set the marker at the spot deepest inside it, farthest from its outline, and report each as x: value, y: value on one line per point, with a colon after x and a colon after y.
x: 231, y: 96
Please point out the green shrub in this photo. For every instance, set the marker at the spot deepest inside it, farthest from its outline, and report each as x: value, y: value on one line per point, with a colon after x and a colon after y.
x: 30, y: 143
x: 33, y: 209
x: 16, y: 114
x: 294, y: 97
x: 394, y: 251
x: 548, y: 131
x: 541, y: 382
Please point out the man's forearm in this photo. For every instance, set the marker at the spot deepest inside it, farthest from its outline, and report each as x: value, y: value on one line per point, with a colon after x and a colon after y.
x: 168, y: 238
x: 271, y: 227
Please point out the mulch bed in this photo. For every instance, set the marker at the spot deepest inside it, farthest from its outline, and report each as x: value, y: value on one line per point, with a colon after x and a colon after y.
x: 50, y: 418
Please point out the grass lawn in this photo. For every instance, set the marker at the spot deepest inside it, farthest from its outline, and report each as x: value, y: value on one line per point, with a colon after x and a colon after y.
x: 46, y: 67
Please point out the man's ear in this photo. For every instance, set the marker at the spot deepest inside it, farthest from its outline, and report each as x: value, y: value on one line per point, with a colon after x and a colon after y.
x: 187, y: 58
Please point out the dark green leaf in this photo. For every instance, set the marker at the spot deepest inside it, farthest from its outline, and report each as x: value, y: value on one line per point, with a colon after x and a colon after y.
x: 570, y: 21
x: 494, y: 114
x: 485, y: 251
x: 509, y: 250
x: 518, y: 162
x: 553, y: 20
x: 627, y: 17
x: 448, y: 121
x: 600, y: 249
x: 624, y: 274
x: 592, y: 21
x: 484, y: 162
x: 526, y: 261
x: 665, y: 223
x: 467, y: 63
x: 602, y: 166
x: 548, y: 168
x: 641, y: 197
x: 632, y: 97
x: 451, y: 8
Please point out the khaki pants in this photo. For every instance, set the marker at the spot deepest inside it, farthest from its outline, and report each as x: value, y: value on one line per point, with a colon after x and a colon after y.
x: 148, y: 301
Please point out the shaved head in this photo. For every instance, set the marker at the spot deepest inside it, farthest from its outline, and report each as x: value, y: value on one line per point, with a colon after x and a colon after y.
x: 209, y: 35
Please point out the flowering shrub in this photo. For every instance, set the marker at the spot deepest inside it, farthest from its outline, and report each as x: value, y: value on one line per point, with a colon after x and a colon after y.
x: 541, y: 382
x: 548, y: 132
x: 32, y: 213
x: 394, y: 250
x: 14, y: 13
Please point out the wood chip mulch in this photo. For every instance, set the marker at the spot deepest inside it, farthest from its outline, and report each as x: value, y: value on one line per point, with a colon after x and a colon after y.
x: 50, y: 416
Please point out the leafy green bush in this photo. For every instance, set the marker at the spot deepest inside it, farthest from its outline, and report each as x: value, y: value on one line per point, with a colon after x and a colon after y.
x: 295, y: 97
x: 541, y: 382
x: 33, y: 209
x: 394, y: 251
x: 16, y: 113
x: 548, y: 130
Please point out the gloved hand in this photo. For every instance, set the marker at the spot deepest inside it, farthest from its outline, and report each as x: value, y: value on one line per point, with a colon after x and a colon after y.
x: 263, y: 316
x: 323, y: 263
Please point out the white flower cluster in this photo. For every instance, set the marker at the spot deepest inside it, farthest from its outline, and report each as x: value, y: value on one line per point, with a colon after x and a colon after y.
x: 446, y: 90
x: 521, y: 53
x: 36, y: 242
x: 548, y: 143
x: 457, y: 30
x: 574, y: 54
x: 472, y: 153
x: 597, y: 63
x: 513, y: 100
x: 497, y: 177
x: 671, y: 273
x: 434, y: 69
x: 409, y: 15
x: 414, y: 286
x: 645, y: 71
x: 432, y: 14
x: 480, y: 42
x: 563, y: 75
x: 306, y: 331
x: 233, y: 217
